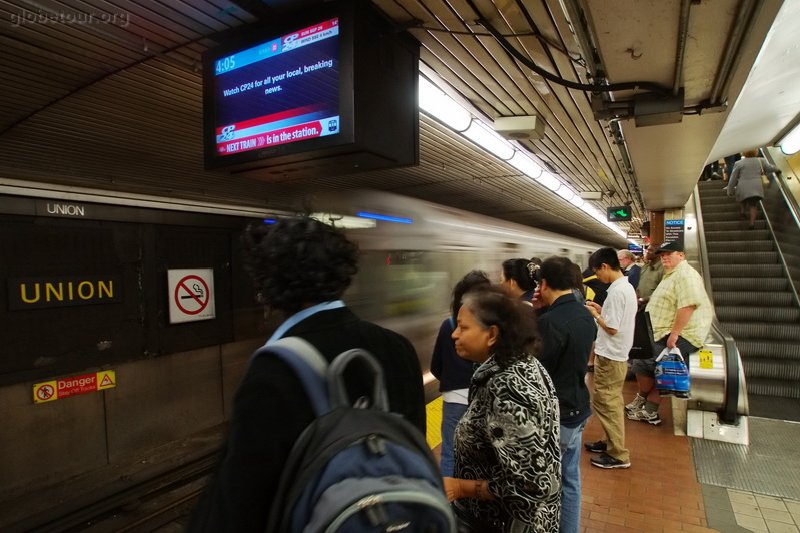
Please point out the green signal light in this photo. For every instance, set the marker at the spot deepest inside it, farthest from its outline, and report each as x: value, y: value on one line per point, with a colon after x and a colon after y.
x: 619, y: 214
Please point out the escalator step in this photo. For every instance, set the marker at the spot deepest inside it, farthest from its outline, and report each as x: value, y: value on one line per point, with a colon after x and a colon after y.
x: 769, y: 349
x: 742, y: 234
x: 721, y: 285
x: 745, y: 257
x: 718, y: 192
x: 771, y: 387
x: 752, y: 313
x: 717, y: 197
x: 722, y: 216
x: 731, y: 211
x: 771, y: 369
x: 746, y: 271
x: 734, y: 224
x: 735, y: 246
x: 763, y: 330
x: 761, y: 300
x: 757, y: 300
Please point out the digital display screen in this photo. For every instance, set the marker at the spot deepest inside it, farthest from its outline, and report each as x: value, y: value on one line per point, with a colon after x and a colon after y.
x: 281, y: 91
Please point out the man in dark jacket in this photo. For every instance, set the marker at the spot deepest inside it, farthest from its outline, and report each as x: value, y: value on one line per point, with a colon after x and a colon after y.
x: 630, y: 269
x: 568, y: 331
x: 301, y: 268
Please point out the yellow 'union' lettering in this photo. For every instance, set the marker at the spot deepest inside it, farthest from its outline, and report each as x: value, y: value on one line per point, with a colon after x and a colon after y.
x: 23, y: 293
x: 65, y: 291
x: 105, y: 288
x: 50, y: 290
x: 85, y: 294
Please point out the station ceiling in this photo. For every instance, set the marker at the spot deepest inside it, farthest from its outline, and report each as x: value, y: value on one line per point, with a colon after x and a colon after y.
x: 106, y: 95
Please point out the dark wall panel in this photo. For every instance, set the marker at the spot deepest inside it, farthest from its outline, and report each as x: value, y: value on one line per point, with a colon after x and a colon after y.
x: 70, y: 331
x: 67, y: 327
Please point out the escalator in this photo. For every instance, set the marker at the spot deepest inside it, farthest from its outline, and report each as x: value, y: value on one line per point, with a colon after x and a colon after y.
x: 754, y: 301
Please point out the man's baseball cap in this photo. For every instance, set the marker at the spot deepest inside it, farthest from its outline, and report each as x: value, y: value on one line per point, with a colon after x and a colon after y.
x: 670, y: 247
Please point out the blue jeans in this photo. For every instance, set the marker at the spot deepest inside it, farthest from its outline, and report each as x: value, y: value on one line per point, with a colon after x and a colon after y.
x: 570, y: 443
x: 451, y: 414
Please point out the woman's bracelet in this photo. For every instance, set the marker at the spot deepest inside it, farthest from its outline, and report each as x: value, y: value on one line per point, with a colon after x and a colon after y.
x: 481, y: 490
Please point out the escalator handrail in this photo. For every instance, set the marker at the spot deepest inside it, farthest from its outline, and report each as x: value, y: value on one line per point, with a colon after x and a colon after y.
x: 788, y: 199
x: 730, y: 406
x: 781, y: 257
x: 791, y: 204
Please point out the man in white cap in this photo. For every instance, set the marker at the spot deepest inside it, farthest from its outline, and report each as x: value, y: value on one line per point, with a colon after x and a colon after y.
x: 680, y: 312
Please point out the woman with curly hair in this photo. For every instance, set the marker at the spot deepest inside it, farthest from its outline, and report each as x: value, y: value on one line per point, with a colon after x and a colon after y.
x: 507, y: 455
x: 301, y: 268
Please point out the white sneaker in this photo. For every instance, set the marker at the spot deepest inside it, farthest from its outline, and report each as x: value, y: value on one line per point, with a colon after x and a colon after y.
x: 637, y: 403
x: 645, y: 416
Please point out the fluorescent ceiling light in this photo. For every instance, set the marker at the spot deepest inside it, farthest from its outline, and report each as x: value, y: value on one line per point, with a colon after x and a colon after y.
x: 437, y: 104
x: 549, y: 181
x: 594, y: 213
x: 565, y: 193
x: 488, y: 139
x: 526, y: 165
x: 791, y: 143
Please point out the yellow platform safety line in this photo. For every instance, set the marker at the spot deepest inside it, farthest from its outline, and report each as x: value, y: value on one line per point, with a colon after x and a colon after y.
x: 433, y: 432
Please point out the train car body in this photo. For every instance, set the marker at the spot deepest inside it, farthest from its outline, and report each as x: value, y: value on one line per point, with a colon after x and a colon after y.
x: 416, y: 251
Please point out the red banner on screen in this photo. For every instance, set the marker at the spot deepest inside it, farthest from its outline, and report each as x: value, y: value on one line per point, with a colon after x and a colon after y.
x: 308, y: 130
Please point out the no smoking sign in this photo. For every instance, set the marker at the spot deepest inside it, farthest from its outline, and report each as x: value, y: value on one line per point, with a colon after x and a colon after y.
x: 191, y: 295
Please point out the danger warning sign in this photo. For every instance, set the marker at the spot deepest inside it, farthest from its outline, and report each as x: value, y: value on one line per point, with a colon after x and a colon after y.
x: 73, y: 386
x: 191, y: 295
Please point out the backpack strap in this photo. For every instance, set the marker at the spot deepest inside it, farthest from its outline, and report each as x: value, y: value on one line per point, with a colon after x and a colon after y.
x: 336, y: 386
x: 309, y: 366
x: 323, y: 383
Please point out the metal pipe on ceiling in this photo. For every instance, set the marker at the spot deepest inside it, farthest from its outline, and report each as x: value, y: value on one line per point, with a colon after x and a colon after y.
x: 576, y: 14
x: 683, y: 32
x: 731, y: 54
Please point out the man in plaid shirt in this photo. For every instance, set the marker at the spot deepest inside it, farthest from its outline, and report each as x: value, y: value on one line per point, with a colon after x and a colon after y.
x: 680, y: 312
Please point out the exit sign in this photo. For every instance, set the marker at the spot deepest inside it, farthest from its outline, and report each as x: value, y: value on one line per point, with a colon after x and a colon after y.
x: 621, y: 213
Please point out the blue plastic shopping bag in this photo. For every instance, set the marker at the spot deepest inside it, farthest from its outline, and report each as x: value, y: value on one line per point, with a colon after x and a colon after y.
x: 672, y: 374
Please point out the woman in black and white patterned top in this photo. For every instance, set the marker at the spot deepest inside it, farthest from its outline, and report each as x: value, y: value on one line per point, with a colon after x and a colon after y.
x: 507, y: 457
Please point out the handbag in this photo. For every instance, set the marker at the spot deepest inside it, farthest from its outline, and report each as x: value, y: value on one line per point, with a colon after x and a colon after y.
x: 642, y: 347
x: 466, y: 523
x: 764, y: 177
x: 672, y: 374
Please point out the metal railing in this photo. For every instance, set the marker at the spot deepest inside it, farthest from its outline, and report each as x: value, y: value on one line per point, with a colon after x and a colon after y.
x: 783, y: 220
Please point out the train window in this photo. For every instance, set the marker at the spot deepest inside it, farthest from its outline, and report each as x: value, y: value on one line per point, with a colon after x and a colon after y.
x: 394, y: 283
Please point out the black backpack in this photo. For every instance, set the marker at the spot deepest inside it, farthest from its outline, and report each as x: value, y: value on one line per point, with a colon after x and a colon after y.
x: 356, y: 467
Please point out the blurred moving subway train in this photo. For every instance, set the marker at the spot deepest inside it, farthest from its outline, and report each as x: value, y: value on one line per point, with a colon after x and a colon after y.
x: 413, y: 252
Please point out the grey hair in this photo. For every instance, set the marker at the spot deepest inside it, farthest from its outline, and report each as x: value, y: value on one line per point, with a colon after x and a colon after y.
x: 626, y: 253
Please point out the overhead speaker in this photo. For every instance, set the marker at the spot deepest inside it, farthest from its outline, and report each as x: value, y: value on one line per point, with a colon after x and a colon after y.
x: 520, y: 128
x: 591, y: 195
